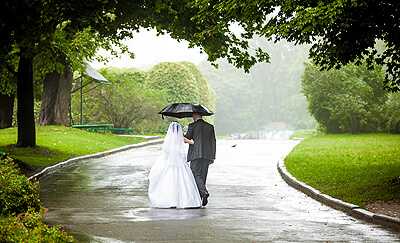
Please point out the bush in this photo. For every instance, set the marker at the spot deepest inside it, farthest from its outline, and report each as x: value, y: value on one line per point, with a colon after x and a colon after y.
x: 175, y: 80
x: 28, y: 227
x: 351, y: 99
x: 182, y: 82
x: 393, y: 113
x: 125, y: 102
x: 134, y: 97
x: 21, y: 214
x: 17, y: 194
x: 206, y: 93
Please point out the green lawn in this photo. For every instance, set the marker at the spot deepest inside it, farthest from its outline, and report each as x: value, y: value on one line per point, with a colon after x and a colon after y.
x: 57, y: 143
x: 305, y: 133
x: 355, y: 168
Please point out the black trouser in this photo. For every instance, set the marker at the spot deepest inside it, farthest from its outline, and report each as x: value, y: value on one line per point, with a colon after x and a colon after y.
x: 200, y: 170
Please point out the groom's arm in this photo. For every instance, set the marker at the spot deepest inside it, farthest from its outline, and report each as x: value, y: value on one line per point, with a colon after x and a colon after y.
x: 189, y: 141
x: 213, y: 141
x: 189, y: 133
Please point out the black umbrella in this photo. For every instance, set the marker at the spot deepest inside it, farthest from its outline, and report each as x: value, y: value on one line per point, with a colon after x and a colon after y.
x: 181, y: 110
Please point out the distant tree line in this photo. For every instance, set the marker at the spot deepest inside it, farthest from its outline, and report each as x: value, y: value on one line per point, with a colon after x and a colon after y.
x: 270, y: 94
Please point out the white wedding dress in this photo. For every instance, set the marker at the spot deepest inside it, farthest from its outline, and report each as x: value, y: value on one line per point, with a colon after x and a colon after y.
x: 171, y: 182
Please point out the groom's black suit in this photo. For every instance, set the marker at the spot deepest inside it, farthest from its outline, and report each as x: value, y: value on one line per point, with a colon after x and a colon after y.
x: 202, y: 153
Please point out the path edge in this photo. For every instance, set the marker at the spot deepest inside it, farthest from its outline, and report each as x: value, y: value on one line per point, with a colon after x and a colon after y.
x: 50, y: 169
x: 348, y: 208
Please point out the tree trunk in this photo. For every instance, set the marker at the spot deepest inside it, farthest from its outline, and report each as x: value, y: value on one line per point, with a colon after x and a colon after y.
x: 6, y: 110
x: 56, y: 98
x: 25, y: 102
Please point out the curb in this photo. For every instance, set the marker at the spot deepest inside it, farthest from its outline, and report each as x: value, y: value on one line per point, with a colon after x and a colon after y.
x: 350, y: 209
x: 52, y: 168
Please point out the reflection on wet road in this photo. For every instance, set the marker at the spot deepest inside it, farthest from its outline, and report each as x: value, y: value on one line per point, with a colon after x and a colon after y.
x: 105, y: 200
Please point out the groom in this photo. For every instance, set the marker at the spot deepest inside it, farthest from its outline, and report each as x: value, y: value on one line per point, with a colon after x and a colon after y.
x: 202, y: 153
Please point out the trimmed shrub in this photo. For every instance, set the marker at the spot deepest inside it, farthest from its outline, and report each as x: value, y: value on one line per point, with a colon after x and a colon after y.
x: 17, y: 194
x: 182, y: 82
x: 21, y: 214
x: 28, y: 227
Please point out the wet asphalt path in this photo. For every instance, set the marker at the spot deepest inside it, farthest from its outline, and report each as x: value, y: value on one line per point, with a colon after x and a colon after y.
x: 105, y: 200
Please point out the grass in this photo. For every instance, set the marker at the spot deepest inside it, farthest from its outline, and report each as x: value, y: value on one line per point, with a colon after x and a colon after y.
x: 58, y: 143
x: 355, y: 168
x: 305, y: 133
x: 152, y: 134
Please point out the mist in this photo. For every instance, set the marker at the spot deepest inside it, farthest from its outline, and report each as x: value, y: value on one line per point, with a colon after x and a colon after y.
x: 267, y: 98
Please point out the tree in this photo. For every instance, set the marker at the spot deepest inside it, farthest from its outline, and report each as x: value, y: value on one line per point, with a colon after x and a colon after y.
x: 6, y: 110
x: 56, y: 98
x: 7, y: 97
x: 350, y: 99
x: 30, y: 25
x: 206, y: 93
x: 135, y: 97
x: 182, y: 82
x: 55, y: 67
x: 175, y: 80
x: 340, y: 32
x: 126, y: 102
x: 8, y: 82
x: 392, y: 113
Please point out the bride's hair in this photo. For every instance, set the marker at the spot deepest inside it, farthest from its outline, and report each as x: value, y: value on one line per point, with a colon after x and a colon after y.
x: 174, y: 139
x: 175, y: 127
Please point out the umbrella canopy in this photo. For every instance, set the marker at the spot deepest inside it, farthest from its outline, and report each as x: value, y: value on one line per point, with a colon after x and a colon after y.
x: 181, y: 110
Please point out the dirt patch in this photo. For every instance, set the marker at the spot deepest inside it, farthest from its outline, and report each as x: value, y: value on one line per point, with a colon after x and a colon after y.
x: 390, y: 208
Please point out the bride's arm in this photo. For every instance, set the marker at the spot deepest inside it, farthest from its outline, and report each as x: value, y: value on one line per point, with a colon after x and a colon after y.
x: 189, y: 141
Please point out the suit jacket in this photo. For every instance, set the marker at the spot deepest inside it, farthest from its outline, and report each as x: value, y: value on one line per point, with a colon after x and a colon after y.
x: 203, y: 135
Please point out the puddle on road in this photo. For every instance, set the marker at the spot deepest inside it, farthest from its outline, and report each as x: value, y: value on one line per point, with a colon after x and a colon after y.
x: 147, y: 214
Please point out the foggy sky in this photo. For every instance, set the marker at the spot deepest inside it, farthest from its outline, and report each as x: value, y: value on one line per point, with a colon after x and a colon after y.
x: 151, y: 49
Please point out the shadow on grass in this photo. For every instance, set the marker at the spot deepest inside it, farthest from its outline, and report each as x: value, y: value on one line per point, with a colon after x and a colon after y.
x: 31, y: 160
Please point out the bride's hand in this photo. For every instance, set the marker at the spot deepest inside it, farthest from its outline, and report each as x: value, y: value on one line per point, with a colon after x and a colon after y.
x: 189, y: 141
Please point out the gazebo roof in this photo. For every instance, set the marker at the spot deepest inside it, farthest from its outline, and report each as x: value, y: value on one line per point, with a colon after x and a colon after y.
x: 94, y: 74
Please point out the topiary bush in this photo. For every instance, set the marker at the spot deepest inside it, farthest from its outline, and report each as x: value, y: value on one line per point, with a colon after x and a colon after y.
x: 17, y: 194
x: 182, y: 82
x: 28, y: 227
x: 21, y: 214
x: 176, y: 80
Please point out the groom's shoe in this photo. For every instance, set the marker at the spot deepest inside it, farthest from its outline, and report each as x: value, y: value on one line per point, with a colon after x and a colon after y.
x: 205, y: 200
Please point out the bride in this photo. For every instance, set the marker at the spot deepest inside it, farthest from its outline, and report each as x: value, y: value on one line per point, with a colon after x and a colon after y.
x: 171, y: 182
